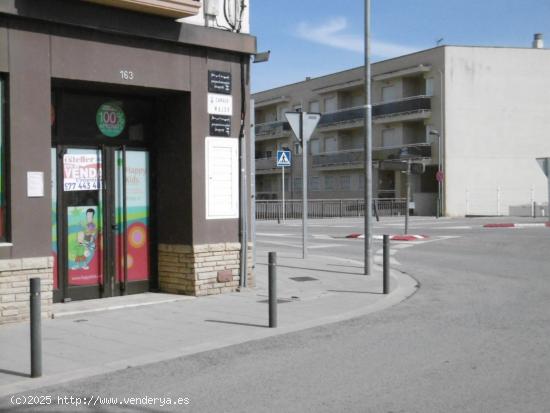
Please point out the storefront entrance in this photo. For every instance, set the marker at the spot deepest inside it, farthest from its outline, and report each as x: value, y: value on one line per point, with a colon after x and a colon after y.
x: 100, y: 199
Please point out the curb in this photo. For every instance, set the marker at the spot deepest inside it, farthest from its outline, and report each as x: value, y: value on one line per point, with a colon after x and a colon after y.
x: 512, y: 225
x: 406, y: 287
x: 405, y: 237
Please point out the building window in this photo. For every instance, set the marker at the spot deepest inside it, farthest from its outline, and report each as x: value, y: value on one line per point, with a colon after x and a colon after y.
x: 390, y: 138
x: 331, y: 144
x: 315, y: 146
x: 345, y: 183
x: 429, y: 86
x: 330, y: 104
x: 389, y: 93
x: 314, y: 106
x: 3, y: 201
x: 315, y: 183
x: 297, y: 184
x: 361, y: 182
x: 329, y: 183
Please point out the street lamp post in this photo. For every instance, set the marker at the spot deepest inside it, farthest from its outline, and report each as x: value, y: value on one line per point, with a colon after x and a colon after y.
x: 368, y: 146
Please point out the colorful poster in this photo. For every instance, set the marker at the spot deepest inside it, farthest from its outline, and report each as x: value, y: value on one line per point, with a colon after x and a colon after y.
x: 84, y: 245
x: 54, y: 216
x: 137, y: 215
x: 81, y: 172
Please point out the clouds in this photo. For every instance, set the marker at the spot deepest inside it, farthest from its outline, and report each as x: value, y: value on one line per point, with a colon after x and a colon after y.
x: 332, y: 33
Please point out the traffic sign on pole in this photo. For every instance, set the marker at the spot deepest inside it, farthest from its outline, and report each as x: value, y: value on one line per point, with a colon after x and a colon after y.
x: 309, y: 123
x: 284, y: 158
x: 303, y: 124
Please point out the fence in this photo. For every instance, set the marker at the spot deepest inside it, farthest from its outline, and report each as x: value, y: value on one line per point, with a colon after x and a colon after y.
x: 327, y: 208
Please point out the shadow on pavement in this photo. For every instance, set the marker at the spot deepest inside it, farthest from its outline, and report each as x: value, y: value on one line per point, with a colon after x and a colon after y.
x: 236, y: 323
x: 14, y: 373
x: 312, y: 269
x: 355, y: 292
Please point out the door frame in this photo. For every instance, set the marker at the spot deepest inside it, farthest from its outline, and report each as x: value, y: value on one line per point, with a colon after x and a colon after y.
x: 108, y: 285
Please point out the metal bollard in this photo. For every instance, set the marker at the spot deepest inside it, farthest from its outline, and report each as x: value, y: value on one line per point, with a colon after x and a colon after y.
x: 272, y: 289
x: 386, y: 265
x: 534, y: 209
x: 36, y: 329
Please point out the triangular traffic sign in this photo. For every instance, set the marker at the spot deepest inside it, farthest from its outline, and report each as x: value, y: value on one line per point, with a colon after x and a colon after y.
x: 310, y: 121
x: 544, y: 164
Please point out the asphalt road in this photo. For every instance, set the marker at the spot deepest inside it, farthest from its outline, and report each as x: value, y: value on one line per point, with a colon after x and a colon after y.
x: 474, y: 338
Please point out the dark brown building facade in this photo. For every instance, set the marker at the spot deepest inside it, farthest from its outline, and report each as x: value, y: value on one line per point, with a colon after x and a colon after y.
x: 120, y: 133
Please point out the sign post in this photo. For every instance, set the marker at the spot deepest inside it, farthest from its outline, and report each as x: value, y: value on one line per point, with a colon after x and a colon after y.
x: 303, y: 124
x: 544, y: 163
x: 283, y: 159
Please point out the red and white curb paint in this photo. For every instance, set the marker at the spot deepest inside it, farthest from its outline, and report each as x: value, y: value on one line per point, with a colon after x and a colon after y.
x: 511, y: 225
x: 406, y: 237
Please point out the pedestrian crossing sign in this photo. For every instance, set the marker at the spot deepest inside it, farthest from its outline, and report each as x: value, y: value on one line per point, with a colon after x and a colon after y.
x: 283, y: 158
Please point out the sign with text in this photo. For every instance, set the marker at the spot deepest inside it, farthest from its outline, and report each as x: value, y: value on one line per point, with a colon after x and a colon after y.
x: 220, y: 104
x: 219, y: 82
x: 81, y: 172
x: 220, y: 125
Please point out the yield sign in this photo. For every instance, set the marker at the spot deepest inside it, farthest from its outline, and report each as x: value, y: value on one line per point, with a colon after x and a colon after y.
x: 309, y: 123
x: 544, y: 163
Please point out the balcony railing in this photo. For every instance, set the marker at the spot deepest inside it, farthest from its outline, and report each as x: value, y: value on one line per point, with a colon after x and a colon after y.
x: 347, y: 157
x: 356, y: 114
x: 405, y: 106
x: 263, y: 164
x: 403, y: 152
x: 415, y: 104
x: 272, y: 128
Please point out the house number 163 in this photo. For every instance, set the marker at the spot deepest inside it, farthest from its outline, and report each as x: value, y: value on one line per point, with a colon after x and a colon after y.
x: 126, y: 75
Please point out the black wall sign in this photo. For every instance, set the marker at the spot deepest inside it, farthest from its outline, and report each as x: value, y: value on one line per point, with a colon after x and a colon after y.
x: 219, y: 82
x: 220, y: 125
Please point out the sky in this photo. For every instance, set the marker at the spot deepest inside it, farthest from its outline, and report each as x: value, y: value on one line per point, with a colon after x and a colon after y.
x: 317, y: 37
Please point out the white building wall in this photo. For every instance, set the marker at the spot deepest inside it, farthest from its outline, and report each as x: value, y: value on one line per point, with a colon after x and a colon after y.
x: 204, y: 18
x: 497, y: 107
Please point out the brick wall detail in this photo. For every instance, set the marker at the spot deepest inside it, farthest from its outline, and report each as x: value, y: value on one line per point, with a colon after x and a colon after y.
x: 15, y: 287
x: 201, y: 269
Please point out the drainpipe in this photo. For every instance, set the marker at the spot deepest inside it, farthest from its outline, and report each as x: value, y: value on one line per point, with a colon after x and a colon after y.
x: 243, y: 262
x: 441, y: 144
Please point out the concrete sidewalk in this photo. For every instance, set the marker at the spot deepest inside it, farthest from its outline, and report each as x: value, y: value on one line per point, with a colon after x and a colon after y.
x: 135, y: 330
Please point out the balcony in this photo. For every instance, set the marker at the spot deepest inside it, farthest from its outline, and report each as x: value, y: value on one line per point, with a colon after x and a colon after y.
x: 169, y: 8
x: 343, y: 119
x: 403, y: 152
x: 408, y: 109
x: 266, y: 165
x: 346, y: 159
x: 271, y: 130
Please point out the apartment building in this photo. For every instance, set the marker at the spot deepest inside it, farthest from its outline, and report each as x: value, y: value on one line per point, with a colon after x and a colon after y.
x: 479, y: 115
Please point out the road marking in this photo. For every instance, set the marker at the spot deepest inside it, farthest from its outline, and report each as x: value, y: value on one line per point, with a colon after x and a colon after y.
x: 272, y: 234
x: 324, y: 246
x: 457, y: 227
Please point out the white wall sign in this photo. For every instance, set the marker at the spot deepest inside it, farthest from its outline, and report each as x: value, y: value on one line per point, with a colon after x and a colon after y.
x: 220, y: 104
x: 35, y: 184
x: 222, y: 178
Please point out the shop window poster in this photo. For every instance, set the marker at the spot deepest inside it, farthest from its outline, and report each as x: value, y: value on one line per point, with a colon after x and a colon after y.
x: 84, y: 245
